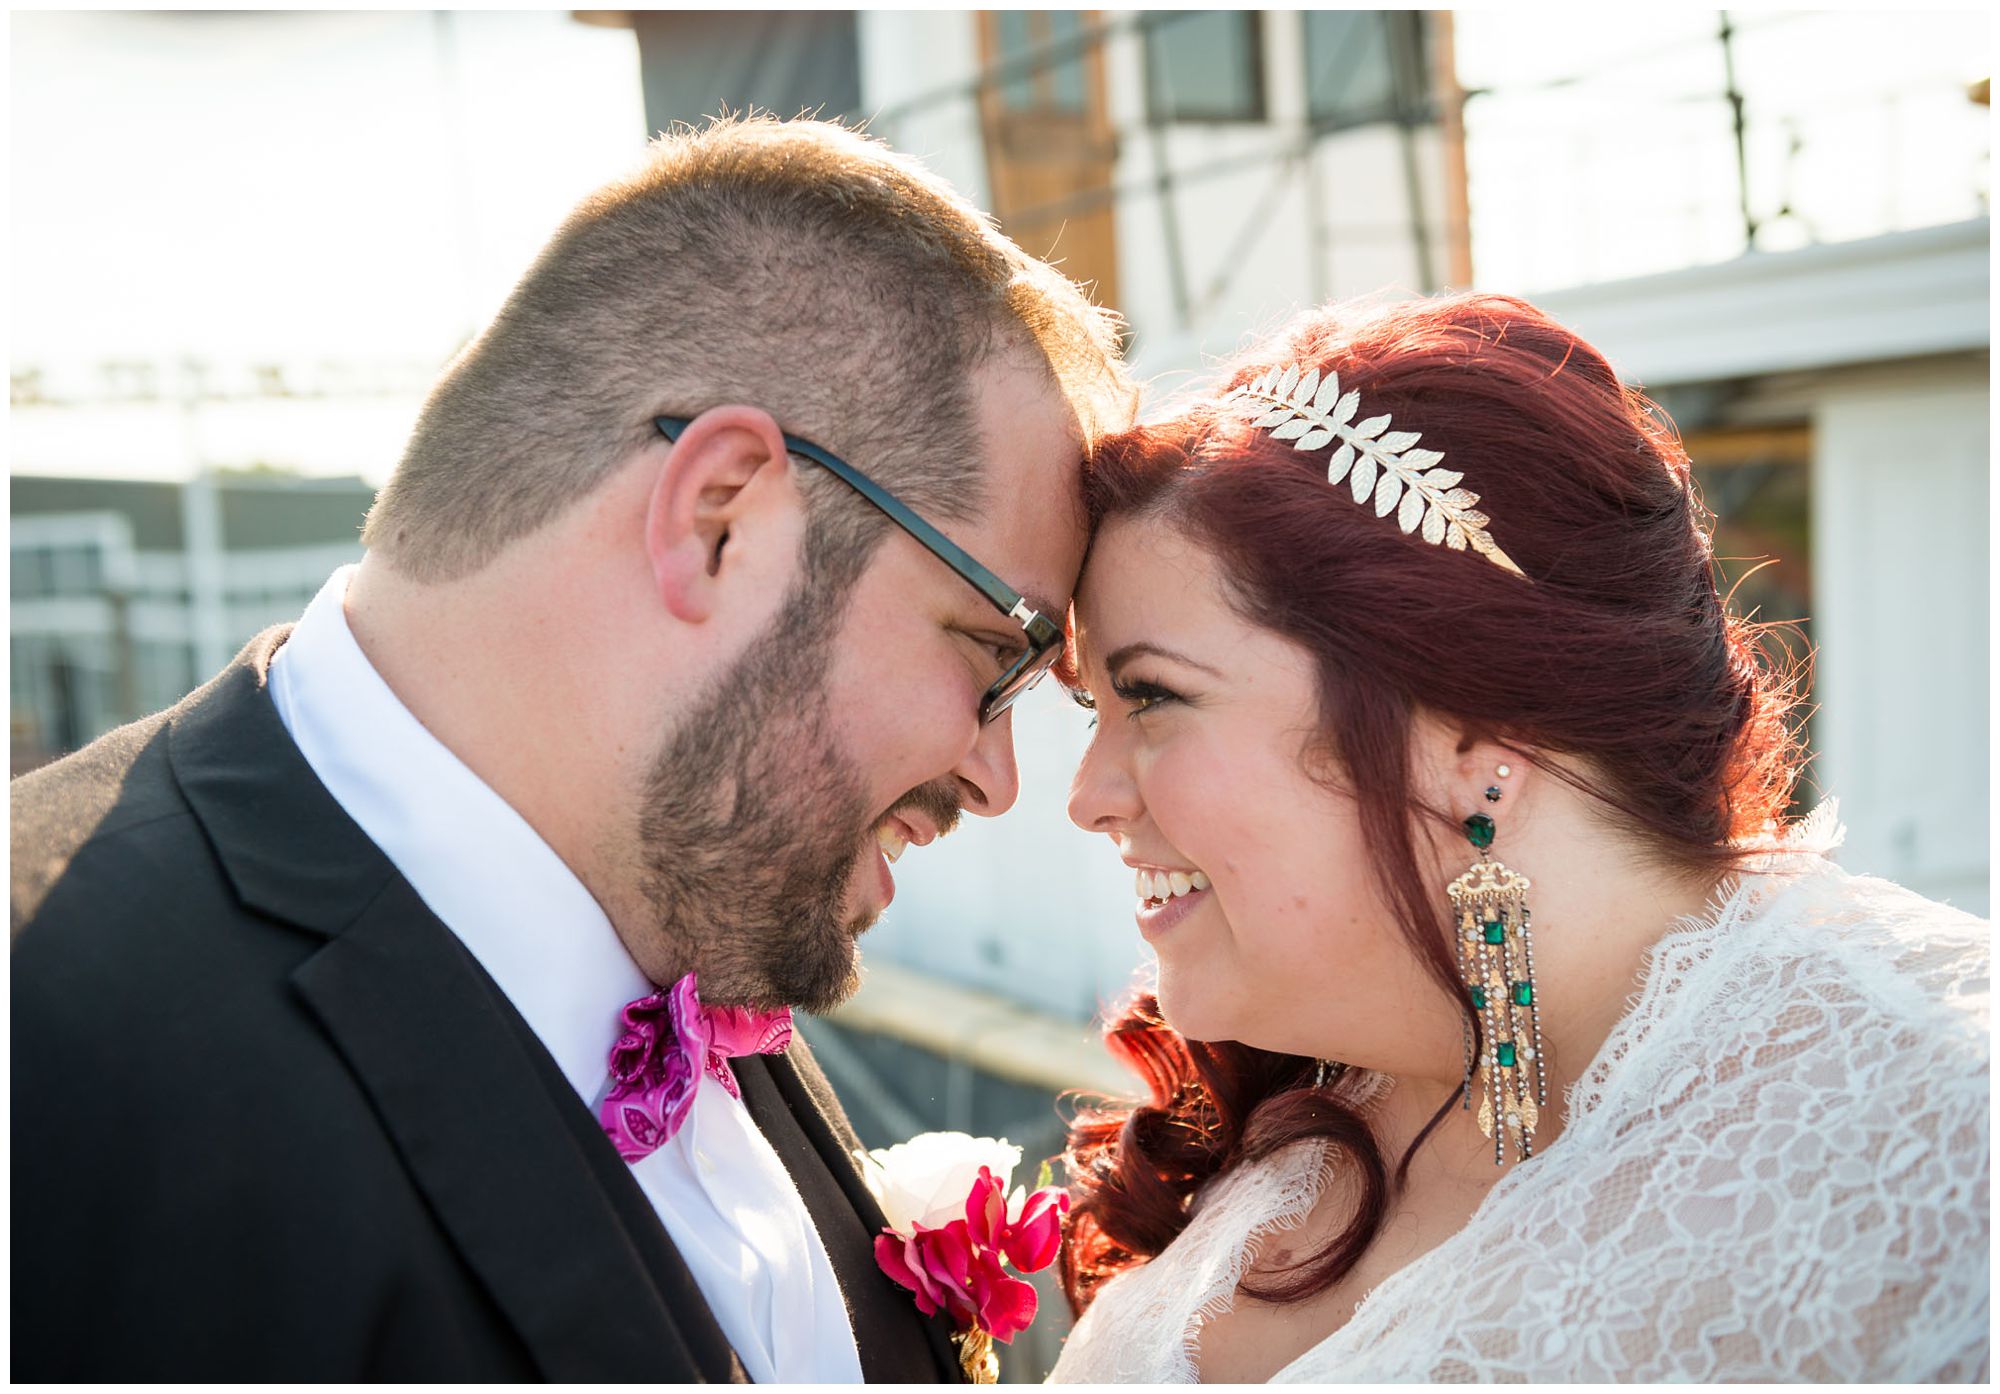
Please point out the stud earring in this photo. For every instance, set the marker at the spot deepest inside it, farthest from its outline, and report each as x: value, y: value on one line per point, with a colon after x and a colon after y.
x: 1496, y: 962
x: 1493, y: 793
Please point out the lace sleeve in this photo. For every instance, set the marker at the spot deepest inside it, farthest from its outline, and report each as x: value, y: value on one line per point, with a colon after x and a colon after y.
x: 1145, y: 1326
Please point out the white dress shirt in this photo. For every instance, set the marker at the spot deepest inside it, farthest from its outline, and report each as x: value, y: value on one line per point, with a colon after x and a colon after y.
x: 723, y: 1195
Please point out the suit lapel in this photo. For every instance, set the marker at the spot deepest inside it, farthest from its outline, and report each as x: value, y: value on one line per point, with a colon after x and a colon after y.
x: 795, y: 1108
x: 486, y: 1144
x: 566, y: 1243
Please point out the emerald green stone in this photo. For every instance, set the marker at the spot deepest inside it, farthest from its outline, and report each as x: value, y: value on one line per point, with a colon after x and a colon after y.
x: 1496, y: 933
x: 1479, y: 998
x: 1479, y: 831
x: 1506, y: 1053
x: 1524, y: 994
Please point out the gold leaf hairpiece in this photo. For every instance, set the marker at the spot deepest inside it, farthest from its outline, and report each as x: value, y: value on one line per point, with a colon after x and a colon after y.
x: 1311, y: 412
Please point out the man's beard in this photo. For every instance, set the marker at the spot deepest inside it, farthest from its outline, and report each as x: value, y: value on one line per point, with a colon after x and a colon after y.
x: 751, y: 821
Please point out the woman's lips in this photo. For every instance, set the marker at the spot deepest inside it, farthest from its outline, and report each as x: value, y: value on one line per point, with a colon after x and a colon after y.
x: 1157, y: 917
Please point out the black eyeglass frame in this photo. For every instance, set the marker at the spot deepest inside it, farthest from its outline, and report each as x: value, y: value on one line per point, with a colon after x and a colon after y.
x: 1045, y: 636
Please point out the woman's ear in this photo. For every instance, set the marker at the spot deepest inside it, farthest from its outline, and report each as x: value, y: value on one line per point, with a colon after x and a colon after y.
x: 704, y: 487
x: 1489, y: 777
x: 1463, y: 770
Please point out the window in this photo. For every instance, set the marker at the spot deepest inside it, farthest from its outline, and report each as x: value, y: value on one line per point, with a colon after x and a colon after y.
x: 694, y: 63
x: 1204, y: 65
x: 76, y: 570
x: 1365, y: 66
x: 31, y: 572
x: 1056, y: 85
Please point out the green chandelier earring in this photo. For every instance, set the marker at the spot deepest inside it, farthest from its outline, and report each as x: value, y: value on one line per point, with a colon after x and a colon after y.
x: 1496, y: 962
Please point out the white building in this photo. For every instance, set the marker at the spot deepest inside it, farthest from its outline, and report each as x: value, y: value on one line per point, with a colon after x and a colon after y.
x: 128, y: 593
x: 1207, y: 170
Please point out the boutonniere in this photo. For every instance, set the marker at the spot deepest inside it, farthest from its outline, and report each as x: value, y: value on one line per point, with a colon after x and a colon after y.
x: 954, y: 1230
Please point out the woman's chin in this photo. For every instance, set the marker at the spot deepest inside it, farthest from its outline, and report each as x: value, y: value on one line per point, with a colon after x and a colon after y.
x: 1195, y: 1014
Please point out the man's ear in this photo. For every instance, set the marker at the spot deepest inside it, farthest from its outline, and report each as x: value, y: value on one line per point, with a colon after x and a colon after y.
x: 699, y: 496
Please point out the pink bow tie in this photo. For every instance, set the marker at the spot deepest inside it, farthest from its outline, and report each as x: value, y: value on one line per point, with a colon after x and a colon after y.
x: 670, y: 1040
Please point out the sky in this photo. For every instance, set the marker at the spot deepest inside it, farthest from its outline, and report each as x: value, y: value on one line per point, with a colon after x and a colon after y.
x: 1639, y: 153
x: 353, y: 192
x: 296, y: 188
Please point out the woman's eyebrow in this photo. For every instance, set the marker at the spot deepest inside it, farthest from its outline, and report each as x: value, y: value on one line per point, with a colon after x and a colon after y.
x: 1120, y: 657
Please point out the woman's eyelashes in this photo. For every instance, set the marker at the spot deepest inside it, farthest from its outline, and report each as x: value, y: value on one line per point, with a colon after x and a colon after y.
x: 1138, y: 694
x: 1141, y: 695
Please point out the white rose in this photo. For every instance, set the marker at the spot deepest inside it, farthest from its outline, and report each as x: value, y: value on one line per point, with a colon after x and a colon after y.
x: 925, y: 1181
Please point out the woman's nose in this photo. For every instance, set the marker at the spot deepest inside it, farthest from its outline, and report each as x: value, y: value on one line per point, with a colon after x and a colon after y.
x: 1102, y: 797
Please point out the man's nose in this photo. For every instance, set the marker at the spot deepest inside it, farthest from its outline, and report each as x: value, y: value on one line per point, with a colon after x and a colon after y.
x: 987, y: 775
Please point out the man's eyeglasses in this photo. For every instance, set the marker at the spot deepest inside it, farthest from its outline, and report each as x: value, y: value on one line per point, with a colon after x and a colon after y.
x: 1044, y: 635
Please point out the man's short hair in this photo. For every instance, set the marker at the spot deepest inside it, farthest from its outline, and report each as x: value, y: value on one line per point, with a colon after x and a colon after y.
x: 797, y: 266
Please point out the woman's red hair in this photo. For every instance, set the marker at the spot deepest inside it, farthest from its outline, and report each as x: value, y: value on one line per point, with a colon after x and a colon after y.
x: 1615, y: 655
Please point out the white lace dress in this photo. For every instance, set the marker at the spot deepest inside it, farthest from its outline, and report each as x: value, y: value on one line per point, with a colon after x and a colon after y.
x: 1776, y: 1169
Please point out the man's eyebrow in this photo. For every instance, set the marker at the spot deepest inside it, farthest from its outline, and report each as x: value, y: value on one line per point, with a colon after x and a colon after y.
x: 1045, y: 607
x: 1120, y: 657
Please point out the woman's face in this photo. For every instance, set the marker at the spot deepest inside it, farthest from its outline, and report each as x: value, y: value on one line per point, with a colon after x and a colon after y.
x: 1251, y: 880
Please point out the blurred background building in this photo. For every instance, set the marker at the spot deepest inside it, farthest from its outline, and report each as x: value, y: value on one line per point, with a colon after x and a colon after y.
x: 1776, y: 223
x: 128, y: 593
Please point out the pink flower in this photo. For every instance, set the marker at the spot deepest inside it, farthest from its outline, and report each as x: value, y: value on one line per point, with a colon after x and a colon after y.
x: 903, y: 1260
x: 1027, y: 1229
x: 945, y: 1268
x: 986, y: 1209
x: 953, y: 1253
x: 1005, y: 1305
x: 1036, y: 1233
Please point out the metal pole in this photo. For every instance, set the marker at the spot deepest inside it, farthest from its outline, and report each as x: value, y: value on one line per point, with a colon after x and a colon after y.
x: 1413, y: 186
x: 1735, y: 96
x: 201, y: 539
x: 1170, y: 225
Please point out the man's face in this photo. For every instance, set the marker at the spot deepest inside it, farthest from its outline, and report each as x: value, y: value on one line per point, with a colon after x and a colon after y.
x: 851, y: 727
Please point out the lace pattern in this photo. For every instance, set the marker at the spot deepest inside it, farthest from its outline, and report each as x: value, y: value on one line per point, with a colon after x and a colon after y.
x: 1775, y: 1169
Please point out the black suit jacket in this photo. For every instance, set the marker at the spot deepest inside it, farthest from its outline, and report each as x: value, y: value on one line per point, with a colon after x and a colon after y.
x: 271, y: 1120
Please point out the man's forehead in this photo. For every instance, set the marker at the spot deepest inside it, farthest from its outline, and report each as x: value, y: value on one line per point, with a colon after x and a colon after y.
x: 1035, y: 515
x: 1045, y: 604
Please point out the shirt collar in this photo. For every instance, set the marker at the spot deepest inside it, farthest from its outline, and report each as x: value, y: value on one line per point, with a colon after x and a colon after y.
x: 476, y: 862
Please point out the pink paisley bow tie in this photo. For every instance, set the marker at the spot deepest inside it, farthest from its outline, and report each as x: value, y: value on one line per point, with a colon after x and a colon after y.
x: 670, y: 1040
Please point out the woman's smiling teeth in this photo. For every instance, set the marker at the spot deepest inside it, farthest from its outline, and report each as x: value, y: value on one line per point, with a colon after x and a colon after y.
x: 891, y: 839
x: 1163, y: 886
